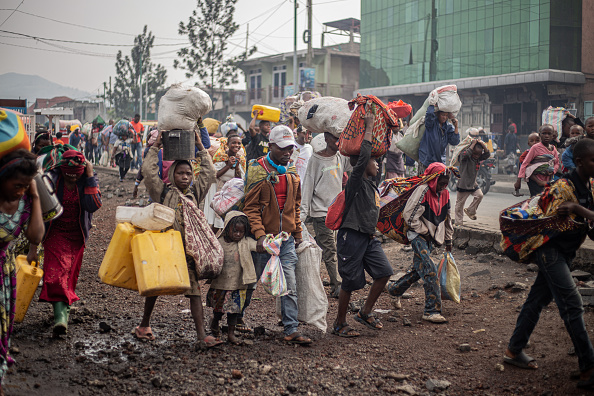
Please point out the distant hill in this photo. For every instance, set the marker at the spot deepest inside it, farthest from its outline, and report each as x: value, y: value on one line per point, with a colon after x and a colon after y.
x: 24, y: 86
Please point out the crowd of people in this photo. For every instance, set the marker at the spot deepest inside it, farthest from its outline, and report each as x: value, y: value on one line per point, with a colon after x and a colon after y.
x: 288, y: 185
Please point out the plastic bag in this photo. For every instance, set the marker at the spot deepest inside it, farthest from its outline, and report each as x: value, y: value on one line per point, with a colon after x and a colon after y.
x: 446, y: 98
x: 181, y: 107
x: 273, y: 277
x: 326, y: 114
x: 104, y: 160
x: 449, y: 278
x: 554, y: 116
x: 352, y: 136
x: 411, y: 141
x: 231, y: 193
x: 312, y: 300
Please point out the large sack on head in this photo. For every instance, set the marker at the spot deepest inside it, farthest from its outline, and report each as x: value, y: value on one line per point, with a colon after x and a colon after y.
x: 445, y: 98
x: 352, y: 136
x: 325, y: 114
x: 181, y: 107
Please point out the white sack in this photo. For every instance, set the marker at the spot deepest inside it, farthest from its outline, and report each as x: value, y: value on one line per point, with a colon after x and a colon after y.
x: 325, y: 114
x: 181, y: 107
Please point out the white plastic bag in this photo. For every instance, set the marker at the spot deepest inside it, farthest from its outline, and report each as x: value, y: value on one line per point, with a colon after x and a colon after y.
x: 446, y: 98
x: 273, y: 278
x: 312, y: 301
x: 325, y: 114
x: 104, y: 160
x: 230, y: 194
x: 181, y: 107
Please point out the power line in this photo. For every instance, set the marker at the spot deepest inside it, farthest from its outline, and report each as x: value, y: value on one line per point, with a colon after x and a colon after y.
x: 13, y: 11
x: 48, y: 50
x: 82, y: 42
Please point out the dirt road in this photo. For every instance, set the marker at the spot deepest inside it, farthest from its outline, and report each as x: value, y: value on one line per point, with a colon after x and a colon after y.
x: 100, y: 356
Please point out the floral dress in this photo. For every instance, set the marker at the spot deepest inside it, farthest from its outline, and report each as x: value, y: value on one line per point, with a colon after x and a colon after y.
x: 11, y: 227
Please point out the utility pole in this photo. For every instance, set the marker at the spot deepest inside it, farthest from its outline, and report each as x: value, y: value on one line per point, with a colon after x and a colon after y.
x: 310, y: 35
x: 295, y: 66
x: 434, y: 45
x: 247, y: 37
x: 147, y: 96
x: 140, y: 85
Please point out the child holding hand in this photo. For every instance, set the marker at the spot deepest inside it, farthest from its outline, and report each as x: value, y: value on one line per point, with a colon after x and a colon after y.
x: 231, y: 292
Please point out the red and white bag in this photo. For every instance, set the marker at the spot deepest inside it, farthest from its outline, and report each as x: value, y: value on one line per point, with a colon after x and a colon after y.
x: 230, y: 194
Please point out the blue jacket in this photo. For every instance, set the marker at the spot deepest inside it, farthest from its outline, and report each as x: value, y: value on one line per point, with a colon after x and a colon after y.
x: 90, y: 199
x: 436, y: 139
x: 567, y: 159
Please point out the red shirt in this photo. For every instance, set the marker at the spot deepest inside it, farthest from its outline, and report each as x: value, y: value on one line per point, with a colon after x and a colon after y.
x: 280, y: 188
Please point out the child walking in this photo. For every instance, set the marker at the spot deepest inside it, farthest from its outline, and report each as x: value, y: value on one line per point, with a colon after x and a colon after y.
x: 231, y: 292
x: 427, y: 213
x: 541, y: 163
x: 182, y: 181
x: 358, y: 250
x: 572, y: 195
x: 470, y: 162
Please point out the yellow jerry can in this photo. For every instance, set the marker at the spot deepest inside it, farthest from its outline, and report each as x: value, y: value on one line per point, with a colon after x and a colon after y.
x: 28, y: 277
x: 160, y: 263
x: 267, y: 113
x: 117, y: 268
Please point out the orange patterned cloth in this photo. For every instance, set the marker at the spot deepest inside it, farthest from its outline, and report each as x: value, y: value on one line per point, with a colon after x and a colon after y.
x: 221, y: 154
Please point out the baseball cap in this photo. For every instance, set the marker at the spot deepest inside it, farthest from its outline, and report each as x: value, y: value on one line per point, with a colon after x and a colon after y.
x: 282, y: 136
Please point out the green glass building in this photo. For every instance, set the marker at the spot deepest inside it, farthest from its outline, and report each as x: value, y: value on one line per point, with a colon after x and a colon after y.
x: 493, y: 46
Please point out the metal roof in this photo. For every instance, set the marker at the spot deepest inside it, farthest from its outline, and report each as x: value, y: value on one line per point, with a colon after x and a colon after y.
x: 346, y: 24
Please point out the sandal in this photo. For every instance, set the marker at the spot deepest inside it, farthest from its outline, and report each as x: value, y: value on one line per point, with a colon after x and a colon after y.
x: 144, y: 333
x: 374, y: 323
x: 344, y: 330
x: 210, y: 342
x: 243, y: 328
x: 521, y: 360
x: 298, y: 339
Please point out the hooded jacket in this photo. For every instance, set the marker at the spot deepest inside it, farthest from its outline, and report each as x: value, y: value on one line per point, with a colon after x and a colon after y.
x: 161, y: 192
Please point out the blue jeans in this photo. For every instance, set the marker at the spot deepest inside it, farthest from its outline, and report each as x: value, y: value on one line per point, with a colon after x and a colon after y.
x: 137, y: 153
x: 554, y: 281
x: 288, y: 258
x: 423, y: 267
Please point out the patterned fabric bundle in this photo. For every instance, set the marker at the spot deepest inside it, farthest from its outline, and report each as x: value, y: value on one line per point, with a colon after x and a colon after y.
x: 53, y: 159
x: 201, y: 242
x: 352, y: 137
x: 13, y: 135
x: 394, y: 193
x: 221, y: 154
x: 530, y: 224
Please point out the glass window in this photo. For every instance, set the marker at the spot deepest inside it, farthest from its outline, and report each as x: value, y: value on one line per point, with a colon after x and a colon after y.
x: 588, y: 109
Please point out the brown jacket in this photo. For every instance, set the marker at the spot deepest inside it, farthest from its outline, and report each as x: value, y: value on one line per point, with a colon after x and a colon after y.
x: 261, y: 208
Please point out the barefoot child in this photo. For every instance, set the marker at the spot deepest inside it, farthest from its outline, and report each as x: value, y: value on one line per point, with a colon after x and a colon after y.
x: 541, y: 163
x: 230, y: 293
x: 570, y: 195
x: 470, y: 162
x: 182, y: 181
x: 427, y: 213
x: 358, y: 250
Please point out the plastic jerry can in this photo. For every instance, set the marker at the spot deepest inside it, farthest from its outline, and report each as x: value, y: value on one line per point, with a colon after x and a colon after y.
x: 267, y: 113
x: 154, y: 217
x: 28, y: 277
x: 160, y: 263
x: 124, y: 213
x: 117, y: 268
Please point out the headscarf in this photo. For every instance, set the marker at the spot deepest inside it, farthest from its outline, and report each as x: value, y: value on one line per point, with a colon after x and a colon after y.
x: 437, y: 201
x: 73, y: 162
x: 153, y: 136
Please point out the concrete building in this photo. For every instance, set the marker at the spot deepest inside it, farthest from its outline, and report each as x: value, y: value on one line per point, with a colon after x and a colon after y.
x: 334, y: 69
x: 509, y: 59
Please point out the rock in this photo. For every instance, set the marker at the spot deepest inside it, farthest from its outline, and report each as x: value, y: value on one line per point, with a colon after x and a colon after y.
x: 15, y: 350
x: 97, y: 383
x: 499, y: 294
x: 105, y: 328
x: 119, y: 193
x: 109, y: 196
x: 259, y: 331
x: 392, y: 319
x: 435, y: 384
x: 464, y: 348
x: 480, y: 273
x: 141, y: 202
x: 157, y: 381
x: 499, y: 367
x: 581, y: 275
x: 519, y: 287
x: 397, y: 376
x: 128, y: 203
x: 247, y: 342
x: 236, y: 374
x: 571, y: 351
x: 532, y: 267
x: 220, y: 381
x: 406, y: 322
x: 474, y: 295
x: 252, y: 364
x: 291, y: 388
x: 408, y: 389
x: 265, y: 369
x: 406, y: 296
x: 472, y: 250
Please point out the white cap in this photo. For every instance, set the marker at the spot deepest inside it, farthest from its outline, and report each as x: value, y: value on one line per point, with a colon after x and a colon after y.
x: 282, y: 136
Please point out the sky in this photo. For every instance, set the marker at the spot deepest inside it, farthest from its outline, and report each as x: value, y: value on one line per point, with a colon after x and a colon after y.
x: 116, y: 22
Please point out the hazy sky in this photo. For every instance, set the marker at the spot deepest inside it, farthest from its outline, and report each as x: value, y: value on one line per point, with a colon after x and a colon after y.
x: 118, y: 21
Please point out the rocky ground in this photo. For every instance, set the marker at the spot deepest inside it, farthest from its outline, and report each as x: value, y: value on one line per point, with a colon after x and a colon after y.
x: 101, y: 357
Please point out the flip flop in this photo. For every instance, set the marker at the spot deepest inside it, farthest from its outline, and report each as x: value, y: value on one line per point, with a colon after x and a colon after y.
x: 375, y: 324
x: 521, y: 360
x: 344, y: 330
x: 144, y: 333
x: 211, y: 342
x: 297, y: 339
x: 243, y: 328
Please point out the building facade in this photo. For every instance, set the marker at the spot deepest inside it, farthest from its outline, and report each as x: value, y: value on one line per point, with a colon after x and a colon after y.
x: 509, y: 59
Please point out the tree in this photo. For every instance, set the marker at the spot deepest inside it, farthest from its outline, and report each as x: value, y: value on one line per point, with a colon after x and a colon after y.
x: 125, y: 95
x: 209, y: 28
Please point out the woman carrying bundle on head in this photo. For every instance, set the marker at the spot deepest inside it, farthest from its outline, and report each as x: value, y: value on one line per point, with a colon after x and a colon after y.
x: 77, y: 189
